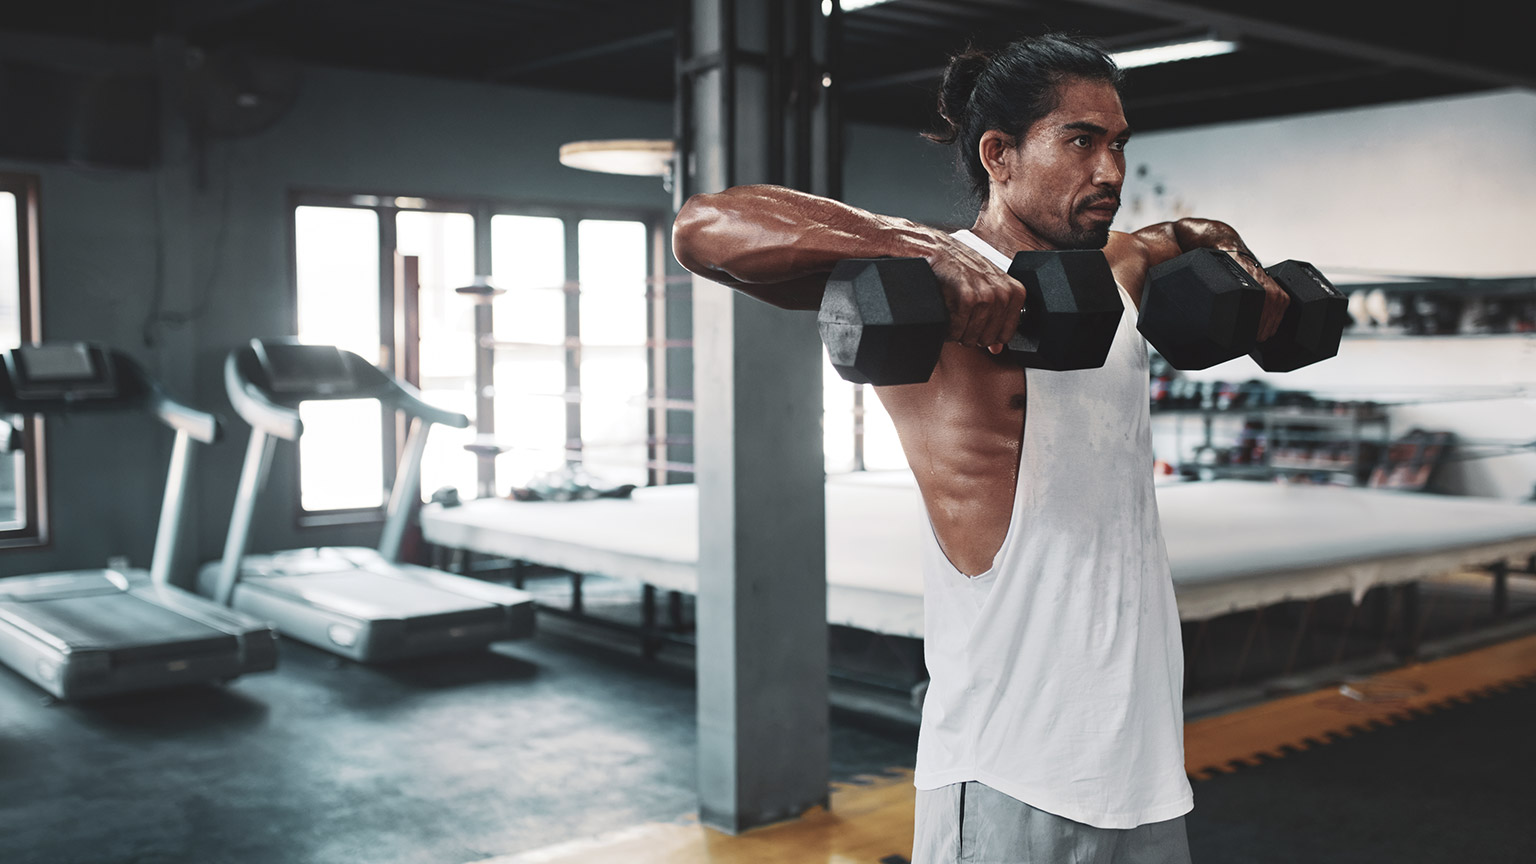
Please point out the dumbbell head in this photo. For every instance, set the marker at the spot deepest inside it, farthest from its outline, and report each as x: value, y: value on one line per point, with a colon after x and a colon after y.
x: 1072, y: 312
x: 883, y: 320
x: 1200, y: 309
x: 1313, y: 323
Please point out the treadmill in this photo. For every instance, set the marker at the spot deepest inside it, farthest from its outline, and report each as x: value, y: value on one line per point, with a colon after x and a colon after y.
x: 364, y: 604
x: 87, y: 633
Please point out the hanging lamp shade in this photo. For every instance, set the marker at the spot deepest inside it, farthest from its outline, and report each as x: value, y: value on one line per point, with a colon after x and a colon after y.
x: 636, y: 156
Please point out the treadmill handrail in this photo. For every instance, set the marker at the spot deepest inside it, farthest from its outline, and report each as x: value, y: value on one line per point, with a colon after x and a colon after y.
x: 134, y: 389
x: 259, y: 408
x: 10, y: 436
x: 409, y: 400
x: 252, y: 404
x: 269, y: 420
x: 203, y: 427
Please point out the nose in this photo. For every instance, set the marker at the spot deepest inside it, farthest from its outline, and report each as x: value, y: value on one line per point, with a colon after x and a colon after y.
x: 1110, y: 169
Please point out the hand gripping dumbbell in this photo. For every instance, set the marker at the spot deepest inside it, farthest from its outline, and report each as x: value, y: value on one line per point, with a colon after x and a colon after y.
x: 1203, y: 308
x: 883, y: 320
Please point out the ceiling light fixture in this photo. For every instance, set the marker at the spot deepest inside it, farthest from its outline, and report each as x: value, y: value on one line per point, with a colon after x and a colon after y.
x: 635, y: 156
x: 1172, y: 52
x: 850, y: 5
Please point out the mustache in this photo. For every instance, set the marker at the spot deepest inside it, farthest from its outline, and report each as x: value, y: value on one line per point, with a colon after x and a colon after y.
x: 1099, y: 199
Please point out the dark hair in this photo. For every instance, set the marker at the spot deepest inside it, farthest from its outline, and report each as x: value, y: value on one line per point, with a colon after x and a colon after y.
x: 1009, y: 89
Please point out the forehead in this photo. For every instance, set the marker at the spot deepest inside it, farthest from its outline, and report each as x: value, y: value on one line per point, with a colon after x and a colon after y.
x: 1082, y: 101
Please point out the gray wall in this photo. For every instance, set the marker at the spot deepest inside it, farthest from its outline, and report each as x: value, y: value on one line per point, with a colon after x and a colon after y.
x: 1430, y: 187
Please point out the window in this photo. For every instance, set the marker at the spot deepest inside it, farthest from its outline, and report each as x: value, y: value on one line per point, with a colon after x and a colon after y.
x: 614, y: 336
x: 572, y: 379
x: 341, y: 455
x: 529, y: 321
x: 858, y: 434
x: 571, y: 339
x: 443, y: 245
x: 22, y: 515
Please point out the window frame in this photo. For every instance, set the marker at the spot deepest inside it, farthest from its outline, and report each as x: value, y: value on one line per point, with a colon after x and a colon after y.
x: 391, y: 328
x: 35, y: 532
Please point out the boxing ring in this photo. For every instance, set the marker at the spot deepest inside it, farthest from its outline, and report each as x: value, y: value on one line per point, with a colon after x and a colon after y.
x: 1232, y: 545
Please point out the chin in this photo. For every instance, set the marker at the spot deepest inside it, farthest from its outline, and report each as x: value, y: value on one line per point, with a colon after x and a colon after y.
x: 1091, y: 238
x: 1069, y: 235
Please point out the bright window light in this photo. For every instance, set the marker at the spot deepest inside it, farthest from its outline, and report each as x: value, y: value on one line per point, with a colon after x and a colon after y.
x: 444, y: 247
x: 1173, y: 52
x: 12, y: 467
x: 341, y: 456
x: 850, y: 5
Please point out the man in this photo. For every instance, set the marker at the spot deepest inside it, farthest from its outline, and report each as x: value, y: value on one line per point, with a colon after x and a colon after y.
x: 1052, y: 728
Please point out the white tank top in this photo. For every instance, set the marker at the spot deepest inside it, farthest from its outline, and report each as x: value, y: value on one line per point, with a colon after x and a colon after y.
x: 1056, y: 677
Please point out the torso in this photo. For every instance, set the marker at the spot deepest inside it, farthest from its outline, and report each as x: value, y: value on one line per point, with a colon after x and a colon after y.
x: 963, y: 430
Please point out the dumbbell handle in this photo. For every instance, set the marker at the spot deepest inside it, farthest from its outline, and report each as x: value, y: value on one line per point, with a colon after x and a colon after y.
x: 884, y: 320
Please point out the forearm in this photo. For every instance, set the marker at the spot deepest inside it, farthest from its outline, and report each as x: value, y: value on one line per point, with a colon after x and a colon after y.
x: 1193, y: 234
x: 763, y: 235
x: 1168, y: 240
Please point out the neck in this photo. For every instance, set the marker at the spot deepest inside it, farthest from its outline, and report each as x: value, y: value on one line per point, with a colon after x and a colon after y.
x: 1004, y: 232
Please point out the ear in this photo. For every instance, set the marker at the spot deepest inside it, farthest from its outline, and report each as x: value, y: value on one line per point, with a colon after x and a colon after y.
x: 996, y: 150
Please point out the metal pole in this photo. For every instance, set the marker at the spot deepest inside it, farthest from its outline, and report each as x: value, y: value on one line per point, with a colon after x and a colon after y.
x: 405, y: 492
x: 169, y: 532
x: 253, y: 475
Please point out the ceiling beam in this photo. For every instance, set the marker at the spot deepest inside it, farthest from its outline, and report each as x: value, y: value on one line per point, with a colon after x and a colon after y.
x: 1230, y: 26
x: 933, y: 73
x: 575, y: 55
x: 1296, y: 82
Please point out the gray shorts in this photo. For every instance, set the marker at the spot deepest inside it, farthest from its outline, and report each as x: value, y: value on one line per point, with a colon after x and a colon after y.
x: 975, y: 824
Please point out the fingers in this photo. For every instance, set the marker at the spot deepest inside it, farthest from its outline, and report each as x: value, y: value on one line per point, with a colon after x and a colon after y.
x: 1275, y: 303
x: 993, y: 313
x: 1275, y: 298
x: 984, y: 303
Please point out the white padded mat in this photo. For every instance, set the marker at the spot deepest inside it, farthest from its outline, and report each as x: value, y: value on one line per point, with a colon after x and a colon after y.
x: 1231, y: 545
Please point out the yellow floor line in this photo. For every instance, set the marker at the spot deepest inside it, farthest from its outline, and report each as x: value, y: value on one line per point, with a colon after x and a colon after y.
x: 1224, y: 743
x: 867, y: 823
x: 871, y: 821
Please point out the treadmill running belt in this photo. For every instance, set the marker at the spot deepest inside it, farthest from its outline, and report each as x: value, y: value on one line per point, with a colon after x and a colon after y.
x: 130, y: 627
x: 367, y: 596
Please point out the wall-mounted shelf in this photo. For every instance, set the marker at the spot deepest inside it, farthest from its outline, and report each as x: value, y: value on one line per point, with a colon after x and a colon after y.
x: 1342, y: 445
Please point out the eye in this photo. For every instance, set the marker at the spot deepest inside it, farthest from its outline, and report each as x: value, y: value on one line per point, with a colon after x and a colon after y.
x: 1118, y: 146
x: 1082, y: 141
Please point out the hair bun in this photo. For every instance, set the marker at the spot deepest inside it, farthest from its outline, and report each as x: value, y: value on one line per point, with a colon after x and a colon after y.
x: 960, y: 78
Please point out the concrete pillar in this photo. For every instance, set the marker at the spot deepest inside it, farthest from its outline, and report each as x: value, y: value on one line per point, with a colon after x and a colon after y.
x: 752, y: 108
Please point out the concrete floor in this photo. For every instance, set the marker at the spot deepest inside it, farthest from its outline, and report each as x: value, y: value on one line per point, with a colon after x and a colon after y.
x: 430, y: 762
x: 571, y: 734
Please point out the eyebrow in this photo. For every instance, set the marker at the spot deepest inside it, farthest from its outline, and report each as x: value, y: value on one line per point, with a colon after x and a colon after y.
x: 1094, y: 128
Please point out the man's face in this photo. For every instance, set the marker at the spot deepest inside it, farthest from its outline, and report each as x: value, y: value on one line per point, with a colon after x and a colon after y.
x: 1068, y: 171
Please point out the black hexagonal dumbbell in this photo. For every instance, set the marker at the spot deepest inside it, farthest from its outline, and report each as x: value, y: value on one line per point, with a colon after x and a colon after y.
x: 1313, y: 324
x: 1203, y: 308
x: 883, y: 320
x: 1200, y: 309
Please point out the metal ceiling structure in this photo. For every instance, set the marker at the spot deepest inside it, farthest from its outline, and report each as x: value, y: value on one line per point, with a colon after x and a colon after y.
x: 1296, y: 56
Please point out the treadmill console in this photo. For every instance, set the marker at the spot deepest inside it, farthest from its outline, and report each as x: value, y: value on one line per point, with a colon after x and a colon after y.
x: 69, y: 371
x: 293, y: 369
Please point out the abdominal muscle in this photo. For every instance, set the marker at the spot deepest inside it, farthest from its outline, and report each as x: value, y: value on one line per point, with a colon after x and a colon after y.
x: 963, y: 432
